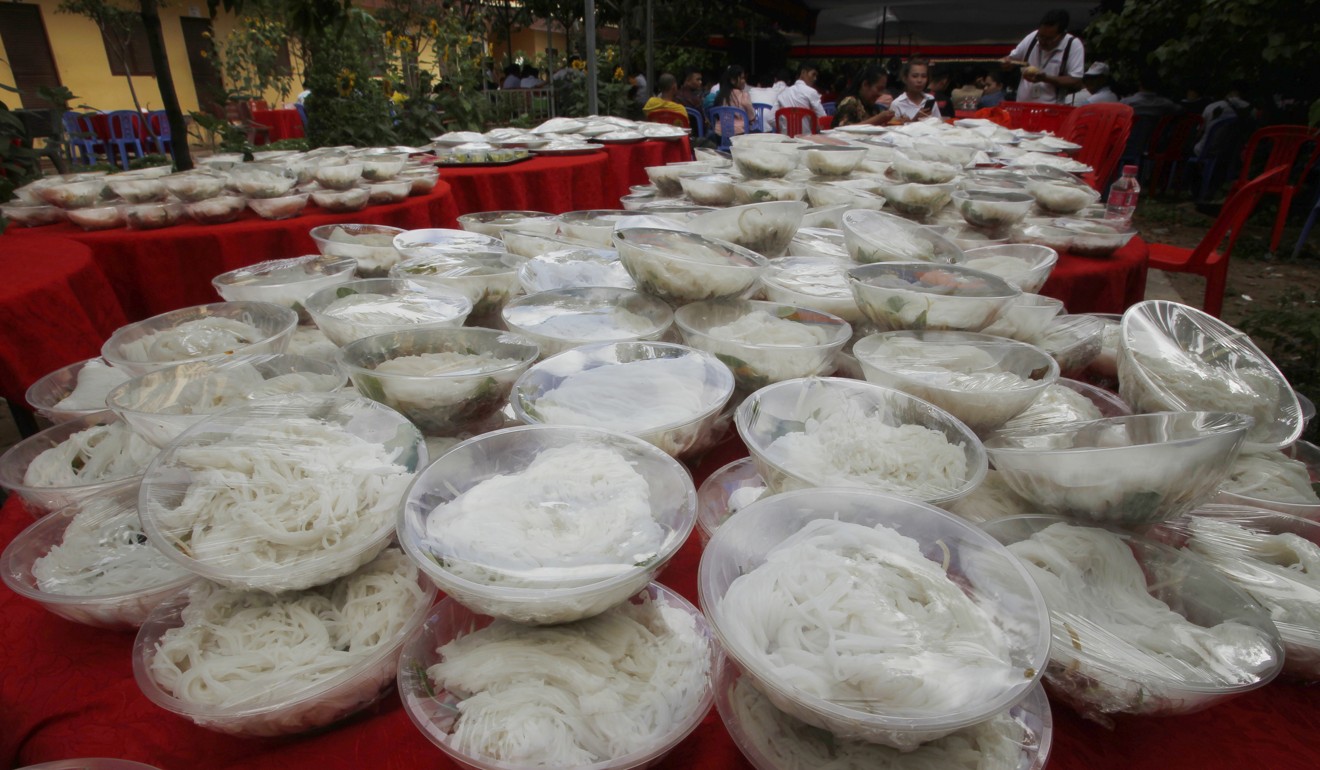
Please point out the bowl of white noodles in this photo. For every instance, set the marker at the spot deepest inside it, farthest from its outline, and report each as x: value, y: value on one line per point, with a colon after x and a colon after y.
x: 561, y: 319
x: 1018, y: 738
x: 487, y: 278
x: 1025, y: 265
x: 448, y: 382
x: 725, y: 492
x: 1139, y: 627
x: 252, y: 663
x: 919, y: 295
x: 670, y: 395
x: 1128, y: 471
x: 74, y: 460
x: 90, y: 563
x: 75, y: 390
x: 465, y: 678
x: 546, y: 524
x: 162, y: 404
x: 201, y: 332
x: 831, y: 432
x: 684, y: 267
x: 370, y: 306
x: 283, y: 494
x: 1171, y: 356
x: 1287, y: 481
x: 945, y: 629
x: 287, y: 282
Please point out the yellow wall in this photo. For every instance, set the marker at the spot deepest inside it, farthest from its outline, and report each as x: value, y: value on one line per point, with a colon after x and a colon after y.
x: 84, y: 68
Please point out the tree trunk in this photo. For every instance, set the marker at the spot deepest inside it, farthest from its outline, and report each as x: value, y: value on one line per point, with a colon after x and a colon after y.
x: 164, y: 79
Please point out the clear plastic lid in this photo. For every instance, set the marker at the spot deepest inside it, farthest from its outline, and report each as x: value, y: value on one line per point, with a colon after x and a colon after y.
x: 574, y: 268
x: 685, y: 267
x: 560, y: 319
x: 196, y: 333
x: 1286, y: 481
x: 422, y: 243
x: 1175, y: 357
x: 764, y: 228
x: 920, y: 295
x: 371, y: 306
x: 874, y: 236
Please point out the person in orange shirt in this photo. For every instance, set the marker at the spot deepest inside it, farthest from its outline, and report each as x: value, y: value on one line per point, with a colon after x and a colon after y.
x: 666, y: 87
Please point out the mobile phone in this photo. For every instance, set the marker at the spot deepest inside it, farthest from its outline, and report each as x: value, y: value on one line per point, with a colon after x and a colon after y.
x: 926, y: 107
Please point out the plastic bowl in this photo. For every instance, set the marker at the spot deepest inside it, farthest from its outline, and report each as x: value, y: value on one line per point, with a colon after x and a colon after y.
x: 1026, y: 318
x: 531, y: 243
x: 762, y: 161
x: 433, y: 709
x: 1175, y: 357
x: 917, y: 201
x: 1259, y: 483
x: 1125, y: 471
x: 724, y: 493
x: 108, y: 538
x: 705, y: 189
x: 819, y: 283
x: 1060, y: 197
x: 372, y: 246
x: 342, y: 201
x: 992, y: 210
x: 73, y: 195
x: 920, y: 295
x: 216, y: 210
x: 1073, y: 340
x: 669, y: 395
x: 1264, y: 553
x: 1054, y: 406
x: 595, y: 226
x: 362, y: 308
x: 41, y: 500
x: 538, y: 584
x: 488, y: 279
x: 422, y: 179
x: 665, y: 178
x: 380, y: 166
x: 262, y: 180
x: 992, y: 579
x: 773, y: 740
x: 920, y: 170
x: 384, y: 193
x: 685, y: 267
x: 1024, y: 265
x: 152, y: 216
x: 187, y: 491
x: 32, y: 214
x: 155, y: 343
x: 764, y: 342
x: 98, y: 217
x: 460, y: 398
x: 819, y: 242
x: 191, y: 187
x: 286, y: 207
x: 820, y: 417
x: 339, y: 174
x: 1092, y: 665
x: 984, y: 381
x: 873, y: 236
x: 492, y: 223
x: 573, y: 268
x: 766, y: 190
x: 428, y: 243
x: 162, y: 404
x: 1079, y: 237
x: 288, y: 709
x: 825, y: 160
x: 561, y: 319
x: 285, y: 282
x: 764, y: 228
x: 137, y: 190
x: 45, y: 394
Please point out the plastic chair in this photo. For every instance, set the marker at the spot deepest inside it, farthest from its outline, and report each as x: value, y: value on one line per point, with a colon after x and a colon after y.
x: 1206, y: 260
x: 124, y: 126
x: 1306, y: 228
x: 670, y: 117
x: 1170, y: 147
x: 760, y: 111
x: 302, y: 116
x: 830, y: 107
x: 159, y: 121
x: 240, y: 114
x: 1286, y: 144
x: 695, y: 121
x: 1219, y: 150
x: 1038, y: 116
x: 1102, y: 131
x: 82, y: 137
x: 795, y: 120
x: 726, y: 117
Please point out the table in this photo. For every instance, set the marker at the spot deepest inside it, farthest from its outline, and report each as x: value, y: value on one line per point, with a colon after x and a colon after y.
x: 56, y: 307
x: 1100, y: 284
x: 156, y: 271
x: 284, y: 123
x: 68, y: 691
x: 554, y: 184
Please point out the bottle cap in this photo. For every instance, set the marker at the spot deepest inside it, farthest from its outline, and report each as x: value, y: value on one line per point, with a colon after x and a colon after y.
x: 1130, y: 170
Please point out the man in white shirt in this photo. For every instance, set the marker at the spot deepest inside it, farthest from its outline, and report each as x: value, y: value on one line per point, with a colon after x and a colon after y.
x: 1054, y: 60
x: 803, y: 93
x: 1097, y: 89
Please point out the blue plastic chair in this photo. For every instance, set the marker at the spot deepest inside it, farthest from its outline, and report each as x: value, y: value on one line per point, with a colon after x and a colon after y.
x: 161, y: 137
x: 727, y: 116
x: 829, y: 107
x: 1306, y: 228
x: 759, y: 118
x: 123, y: 135
x: 82, y: 138
x: 302, y: 115
x: 696, y: 122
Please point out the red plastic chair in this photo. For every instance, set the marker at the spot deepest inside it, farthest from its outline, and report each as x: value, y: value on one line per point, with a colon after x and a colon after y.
x: 1206, y: 260
x: 670, y: 117
x: 796, y: 120
x: 1102, y: 131
x: 1169, y: 147
x: 1286, y: 145
x: 1037, y: 116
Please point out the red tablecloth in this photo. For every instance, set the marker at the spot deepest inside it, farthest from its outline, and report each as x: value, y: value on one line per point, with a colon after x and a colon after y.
x: 554, y: 184
x: 68, y: 691
x: 156, y: 271
x: 56, y: 307
x: 284, y: 123
x: 1100, y: 285
x: 628, y: 162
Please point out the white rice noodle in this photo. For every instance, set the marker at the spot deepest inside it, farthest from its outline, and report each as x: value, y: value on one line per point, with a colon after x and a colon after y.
x: 633, y: 397
x: 235, y: 385
x: 95, y: 381
x: 1271, y: 476
x: 1056, y: 404
x: 104, y: 552
x: 991, y: 499
x: 99, y: 453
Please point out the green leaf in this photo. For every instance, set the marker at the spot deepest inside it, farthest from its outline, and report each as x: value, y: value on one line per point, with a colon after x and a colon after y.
x: 344, y: 291
x: 370, y: 387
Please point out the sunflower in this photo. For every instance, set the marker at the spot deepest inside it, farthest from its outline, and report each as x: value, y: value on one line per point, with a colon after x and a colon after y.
x: 347, y: 82
x: 618, y: 74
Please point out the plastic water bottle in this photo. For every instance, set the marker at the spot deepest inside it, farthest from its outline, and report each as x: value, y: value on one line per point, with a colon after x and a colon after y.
x: 1123, y: 197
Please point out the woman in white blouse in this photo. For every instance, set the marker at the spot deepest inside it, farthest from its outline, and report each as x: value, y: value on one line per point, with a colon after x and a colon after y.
x: 914, y: 103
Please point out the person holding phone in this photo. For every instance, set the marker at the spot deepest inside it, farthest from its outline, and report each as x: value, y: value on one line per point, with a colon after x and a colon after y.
x: 914, y: 103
